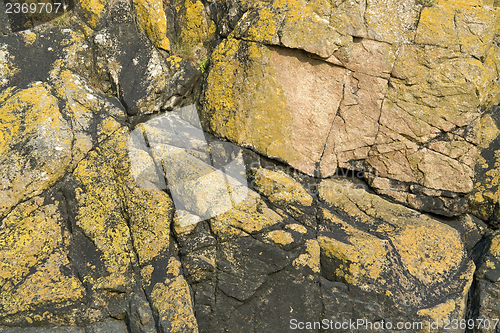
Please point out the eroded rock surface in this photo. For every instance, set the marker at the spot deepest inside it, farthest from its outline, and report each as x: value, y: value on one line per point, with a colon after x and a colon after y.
x: 401, y: 112
x: 298, y: 187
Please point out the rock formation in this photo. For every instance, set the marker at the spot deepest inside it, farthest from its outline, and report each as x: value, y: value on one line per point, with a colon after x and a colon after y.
x: 250, y: 166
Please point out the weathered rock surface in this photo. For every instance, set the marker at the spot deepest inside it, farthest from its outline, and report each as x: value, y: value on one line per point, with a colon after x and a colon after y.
x: 402, y: 113
x: 428, y: 252
x: 488, y: 283
x: 118, y: 214
x: 484, y: 198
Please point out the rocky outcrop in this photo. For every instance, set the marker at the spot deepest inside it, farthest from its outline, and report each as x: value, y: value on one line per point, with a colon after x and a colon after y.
x: 250, y: 166
x: 398, y: 104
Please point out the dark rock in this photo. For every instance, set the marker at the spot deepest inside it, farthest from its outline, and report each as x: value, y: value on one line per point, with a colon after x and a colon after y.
x: 140, y: 317
x: 4, y: 20
x: 108, y: 326
x: 45, y: 330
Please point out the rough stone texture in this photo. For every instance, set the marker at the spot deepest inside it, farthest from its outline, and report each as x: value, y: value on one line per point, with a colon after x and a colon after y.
x: 402, y: 113
x: 70, y: 255
x: 133, y: 70
x: 193, y: 29
x: 116, y: 216
x: 54, y: 116
x: 364, y: 250
x: 484, y: 200
x: 152, y: 21
x: 488, y: 277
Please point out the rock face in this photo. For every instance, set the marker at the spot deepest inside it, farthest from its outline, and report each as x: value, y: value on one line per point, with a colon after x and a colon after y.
x: 396, y: 103
x: 250, y: 166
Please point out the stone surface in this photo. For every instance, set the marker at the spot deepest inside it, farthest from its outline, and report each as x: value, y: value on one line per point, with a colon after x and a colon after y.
x: 488, y: 281
x: 363, y: 253
x: 120, y: 214
x: 392, y: 110
x: 132, y: 69
x: 53, y: 116
x: 484, y: 197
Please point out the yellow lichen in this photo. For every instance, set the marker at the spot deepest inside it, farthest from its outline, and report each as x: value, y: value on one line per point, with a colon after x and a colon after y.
x: 297, y: 227
x: 364, y: 258
x: 221, y: 96
x: 146, y: 273
x: 7, y: 70
x: 429, y: 251
x: 150, y: 213
x: 172, y: 300
x: 495, y: 247
x: 264, y: 29
x: 489, y: 264
x: 487, y: 131
x: 242, y: 220
x: 174, y: 266
x: 311, y: 258
x: 46, y: 285
x: 9, y: 122
x: 31, y: 116
x: 106, y: 127
x: 240, y: 104
x: 175, y: 62
x: 487, y: 192
x: 153, y: 22
x: 281, y: 188
x: 82, y: 101
x: 28, y: 36
x: 280, y: 237
x: 94, y: 10
x: 196, y: 26
x: 114, y: 282
x: 100, y: 202
x: 30, y: 233
x: 439, y: 312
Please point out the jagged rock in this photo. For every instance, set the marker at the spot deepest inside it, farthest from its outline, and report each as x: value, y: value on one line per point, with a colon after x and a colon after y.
x: 394, y: 111
x: 279, y: 187
x: 172, y: 300
x: 152, y: 21
x: 194, y: 30
x: 54, y: 116
x: 35, y: 267
x: 137, y: 73
x: 285, y: 193
x: 93, y: 12
x: 484, y: 197
x: 142, y: 320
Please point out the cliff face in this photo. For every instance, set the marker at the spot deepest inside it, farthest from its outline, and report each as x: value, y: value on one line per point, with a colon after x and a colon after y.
x: 246, y: 166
